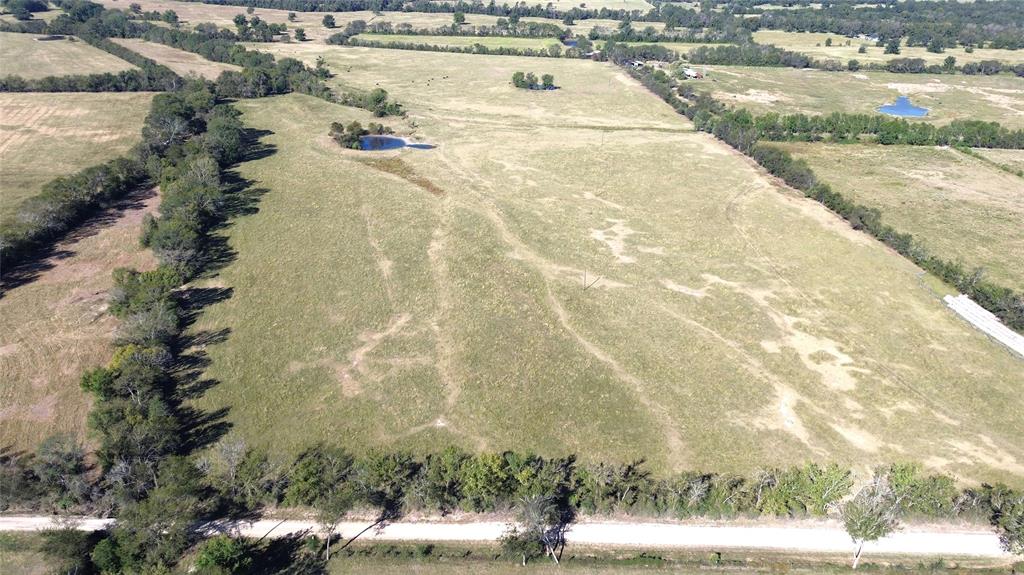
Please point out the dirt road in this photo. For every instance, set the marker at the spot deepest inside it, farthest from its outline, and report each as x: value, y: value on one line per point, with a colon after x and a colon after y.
x: 824, y: 538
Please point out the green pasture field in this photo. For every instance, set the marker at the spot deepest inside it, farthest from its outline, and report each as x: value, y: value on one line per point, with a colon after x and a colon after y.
x: 43, y: 136
x: 961, y: 208
x: 1011, y: 159
x: 181, y: 62
x: 789, y: 91
x: 23, y: 55
x: 464, y: 41
x: 576, y: 271
x: 813, y: 44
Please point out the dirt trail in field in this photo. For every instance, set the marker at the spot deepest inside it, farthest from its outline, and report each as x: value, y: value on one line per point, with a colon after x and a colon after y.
x: 822, y: 537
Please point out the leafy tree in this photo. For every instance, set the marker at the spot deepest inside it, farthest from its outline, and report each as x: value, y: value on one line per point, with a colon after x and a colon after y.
x: 59, y: 466
x: 828, y: 41
x: 853, y: 65
x: 872, y: 514
x: 893, y: 46
x: 291, y: 16
x: 539, y: 529
x: 300, y: 34
x: 519, y: 80
x: 315, y: 472
x: 328, y: 21
x: 949, y: 64
x: 548, y: 81
x: 223, y: 555
x: 458, y: 18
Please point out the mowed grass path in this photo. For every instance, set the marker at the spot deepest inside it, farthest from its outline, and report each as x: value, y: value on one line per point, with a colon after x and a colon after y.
x: 959, y: 207
x: 24, y: 55
x: 418, y: 298
x: 464, y: 41
x: 180, y: 61
x: 789, y: 91
x: 813, y: 44
x: 43, y: 136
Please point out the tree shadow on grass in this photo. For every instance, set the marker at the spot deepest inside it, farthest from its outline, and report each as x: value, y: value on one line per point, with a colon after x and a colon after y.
x: 47, y: 256
x: 241, y: 198
x: 287, y: 555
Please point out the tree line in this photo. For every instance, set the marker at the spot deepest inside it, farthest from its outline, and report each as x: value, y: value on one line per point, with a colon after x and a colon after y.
x: 739, y: 129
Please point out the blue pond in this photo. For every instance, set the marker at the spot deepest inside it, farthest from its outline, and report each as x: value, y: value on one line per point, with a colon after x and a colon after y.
x: 904, y: 109
x: 378, y: 143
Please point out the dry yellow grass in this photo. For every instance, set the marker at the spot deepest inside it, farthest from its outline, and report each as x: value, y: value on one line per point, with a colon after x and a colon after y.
x: 26, y: 56
x: 43, y: 136
x: 813, y: 44
x: 959, y: 207
x: 55, y: 327
x: 183, y: 63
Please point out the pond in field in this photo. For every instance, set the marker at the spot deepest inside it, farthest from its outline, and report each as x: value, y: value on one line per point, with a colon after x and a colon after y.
x: 376, y: 143
x: 904, y: 109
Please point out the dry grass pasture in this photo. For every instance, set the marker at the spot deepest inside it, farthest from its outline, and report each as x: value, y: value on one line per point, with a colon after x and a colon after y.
x: 465, y: 41
x: 43, y: 136
x: 813, y: 44
x: 1012, y: 159
x: 55, y: 327
x: 26, y: 56
x: 789, y: 91
x: 577, y: 271
x: 959, y: 207
x: 181, y: 62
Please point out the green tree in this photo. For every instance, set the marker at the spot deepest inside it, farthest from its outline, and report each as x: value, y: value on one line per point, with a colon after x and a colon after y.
x: 872, y: 514
x: 458, y: 18
x: 291, y: 16
x: 223, y: 555
x: 949, y: 64
x: 538, y: 529
x: 60, y: 467
x: 519, y: 80
x: 300, y: 34
x: 315, y: 472
x: 853, y: 65
x: 893, y: 46
x: 328, y: 21
x: 548, y: 81
x: 863, y: 49
x: 828, y: 41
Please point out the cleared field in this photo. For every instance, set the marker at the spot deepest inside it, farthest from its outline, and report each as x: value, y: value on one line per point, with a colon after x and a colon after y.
x: 463, y: 41
x: 813, y: 44
x: 789, y: 91
x: 55, y: 327
x: 43, y: 136
x: 182, y: 62
x: 1013, y: 159
x: 960, y: 207
x: 23, y: 55
x: 516, y: 287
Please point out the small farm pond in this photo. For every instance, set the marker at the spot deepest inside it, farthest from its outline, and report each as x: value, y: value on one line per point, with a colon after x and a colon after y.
x: 376, y: 143
x: 904, y: 109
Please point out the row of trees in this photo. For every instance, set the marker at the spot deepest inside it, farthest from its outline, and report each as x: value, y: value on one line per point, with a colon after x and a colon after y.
x: 844, y: 127
x: 528, y: 81
x: 553, y: 51
x: 740, y: 130
x: 545, y: 494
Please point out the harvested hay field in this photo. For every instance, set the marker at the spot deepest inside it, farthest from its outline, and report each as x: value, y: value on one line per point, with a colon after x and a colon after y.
x: 181, y: 62
x: 43, y: 136
x: 790, y: 91
x: 545, y: 300
x: 26, y: 56
x: 813, y: 44
x: 54, y: 326
x: 959, y: 207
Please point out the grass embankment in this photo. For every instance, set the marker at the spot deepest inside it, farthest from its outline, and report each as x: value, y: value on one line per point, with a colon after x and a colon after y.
x: 419, y: 298
x: 959, y: 207
x: 789, y: 91
x: 813, y: 44
x: 26, y: 56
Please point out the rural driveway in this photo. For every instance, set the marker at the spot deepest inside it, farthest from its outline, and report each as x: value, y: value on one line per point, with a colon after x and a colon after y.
x: 825, y: 538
